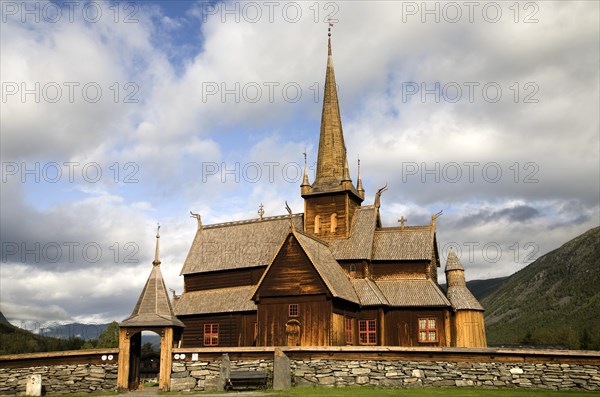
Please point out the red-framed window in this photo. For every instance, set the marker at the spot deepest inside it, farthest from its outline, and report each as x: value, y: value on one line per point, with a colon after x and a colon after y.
x: 211, y: 334
x: 349, y: 333
x: 293, y: 310
x: 367, y: 332
x: 428, y: 330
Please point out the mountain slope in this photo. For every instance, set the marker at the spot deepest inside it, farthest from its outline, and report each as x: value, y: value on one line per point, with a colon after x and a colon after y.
x: 482, y: 288
x: 14, y: 340
x: 554, y: 300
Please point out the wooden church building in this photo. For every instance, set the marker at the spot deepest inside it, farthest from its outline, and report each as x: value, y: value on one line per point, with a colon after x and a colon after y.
x: 331, y: 276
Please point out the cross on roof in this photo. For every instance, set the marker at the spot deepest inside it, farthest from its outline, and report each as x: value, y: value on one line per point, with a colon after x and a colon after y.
x: 402, y: 220
x: 261, y: 211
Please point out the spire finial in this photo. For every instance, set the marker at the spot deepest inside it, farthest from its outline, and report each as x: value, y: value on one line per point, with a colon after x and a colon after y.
x: 156, y: 261
x: 330, y: 22
x: 305, y: 183
x: 359, y: 184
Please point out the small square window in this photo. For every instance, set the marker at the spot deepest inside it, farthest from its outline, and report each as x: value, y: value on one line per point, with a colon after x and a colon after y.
x: 367, y: 332
x: 293, y: 310
x: 211, y: 334
x: 428, y: 330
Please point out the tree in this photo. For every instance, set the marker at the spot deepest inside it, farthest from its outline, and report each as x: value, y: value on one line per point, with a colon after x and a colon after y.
x: 147, y: 349
x: 585, y: 342
x: 109, y: 337
x: 528, y: 339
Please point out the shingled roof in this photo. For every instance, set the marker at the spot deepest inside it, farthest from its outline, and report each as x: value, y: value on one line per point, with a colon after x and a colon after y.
x: 408, y: 243
x: 458, y: 293
x: 462, y: 299
x: 406, y: 293
x: 359, y: 244
x: 235, y: 245
x: 368, y: 292
x: 328, y: 268
x: 221, y: 300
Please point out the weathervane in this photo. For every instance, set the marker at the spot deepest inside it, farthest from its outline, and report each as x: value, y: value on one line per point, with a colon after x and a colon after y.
x: 261, y: 211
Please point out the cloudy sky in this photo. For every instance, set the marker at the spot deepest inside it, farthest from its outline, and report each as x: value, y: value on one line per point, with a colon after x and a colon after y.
x: 116, y: 116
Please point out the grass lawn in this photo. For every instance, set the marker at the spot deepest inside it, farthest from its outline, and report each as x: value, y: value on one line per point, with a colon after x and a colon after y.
x: 426, y: 392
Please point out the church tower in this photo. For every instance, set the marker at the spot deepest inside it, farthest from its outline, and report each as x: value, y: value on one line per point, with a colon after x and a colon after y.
x: 330, y: 202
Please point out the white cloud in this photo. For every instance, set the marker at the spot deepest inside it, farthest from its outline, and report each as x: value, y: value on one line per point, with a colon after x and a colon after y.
x: 176, y: 128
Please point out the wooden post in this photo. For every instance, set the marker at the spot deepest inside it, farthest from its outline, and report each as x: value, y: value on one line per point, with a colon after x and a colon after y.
x: 382, y: 341
x: 448, y: 328
x: 166, y: 359
x: 123, y: 370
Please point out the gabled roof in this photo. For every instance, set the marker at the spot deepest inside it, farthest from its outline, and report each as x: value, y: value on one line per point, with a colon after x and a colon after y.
x: 359, y: 244
x: 369, y: 293
x: 221, y: 300
x: 406, y: 293
x: 328, y: 268
x: 324, y: 263
x: 408, y: 243
x: 235, y: 245
x: 153, y: 308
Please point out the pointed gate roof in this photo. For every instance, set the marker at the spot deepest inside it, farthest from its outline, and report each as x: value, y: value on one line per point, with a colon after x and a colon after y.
x: 153, y: 308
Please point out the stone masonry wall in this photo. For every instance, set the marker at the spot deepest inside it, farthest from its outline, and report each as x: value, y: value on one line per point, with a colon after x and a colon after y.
x: 61, y: 379
x: 205, y: 375
x: 463, y: 374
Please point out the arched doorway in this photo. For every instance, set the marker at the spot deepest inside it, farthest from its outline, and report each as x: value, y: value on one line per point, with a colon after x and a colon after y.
x: 130, y: 356
x: 153, y: 312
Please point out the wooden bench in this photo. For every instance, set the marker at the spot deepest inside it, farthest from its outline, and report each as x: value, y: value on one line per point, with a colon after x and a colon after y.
x: 246, y: 379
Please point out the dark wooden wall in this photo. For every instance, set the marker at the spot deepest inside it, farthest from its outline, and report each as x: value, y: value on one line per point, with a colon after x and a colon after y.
x: 223, y: 279
x: 399, y: 270
x: 236, y: 329
x: 291, y: 274
x: 401, y: 326
x: 314, y: 318
x: 342, y: 204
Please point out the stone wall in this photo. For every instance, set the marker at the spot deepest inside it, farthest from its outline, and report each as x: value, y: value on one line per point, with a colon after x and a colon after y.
x: 390, y: 373
x: 61, y: 379
x: 199, y: 375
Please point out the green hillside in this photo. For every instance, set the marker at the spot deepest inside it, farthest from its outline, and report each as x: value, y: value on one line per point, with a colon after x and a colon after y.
x: 553, y: 301
x: 14, y: 340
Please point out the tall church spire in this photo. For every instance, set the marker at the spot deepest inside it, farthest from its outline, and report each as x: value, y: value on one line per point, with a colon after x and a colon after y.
x: 331, y: 201
x: 332, y: 150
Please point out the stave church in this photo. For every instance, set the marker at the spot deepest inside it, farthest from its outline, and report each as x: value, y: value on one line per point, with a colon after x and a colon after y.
x: 330, y: 276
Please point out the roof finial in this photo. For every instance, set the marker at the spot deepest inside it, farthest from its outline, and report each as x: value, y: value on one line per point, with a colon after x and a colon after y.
x: 377, y: 202
x: 289, y: 210
x: 156, y: 261
x: 359, y: 184
x: 402, y: 221
x: 434, y: 218
x: 198, y: 218
x: 305, y: 186
x: 261, y: 211
x: 330, y: 21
